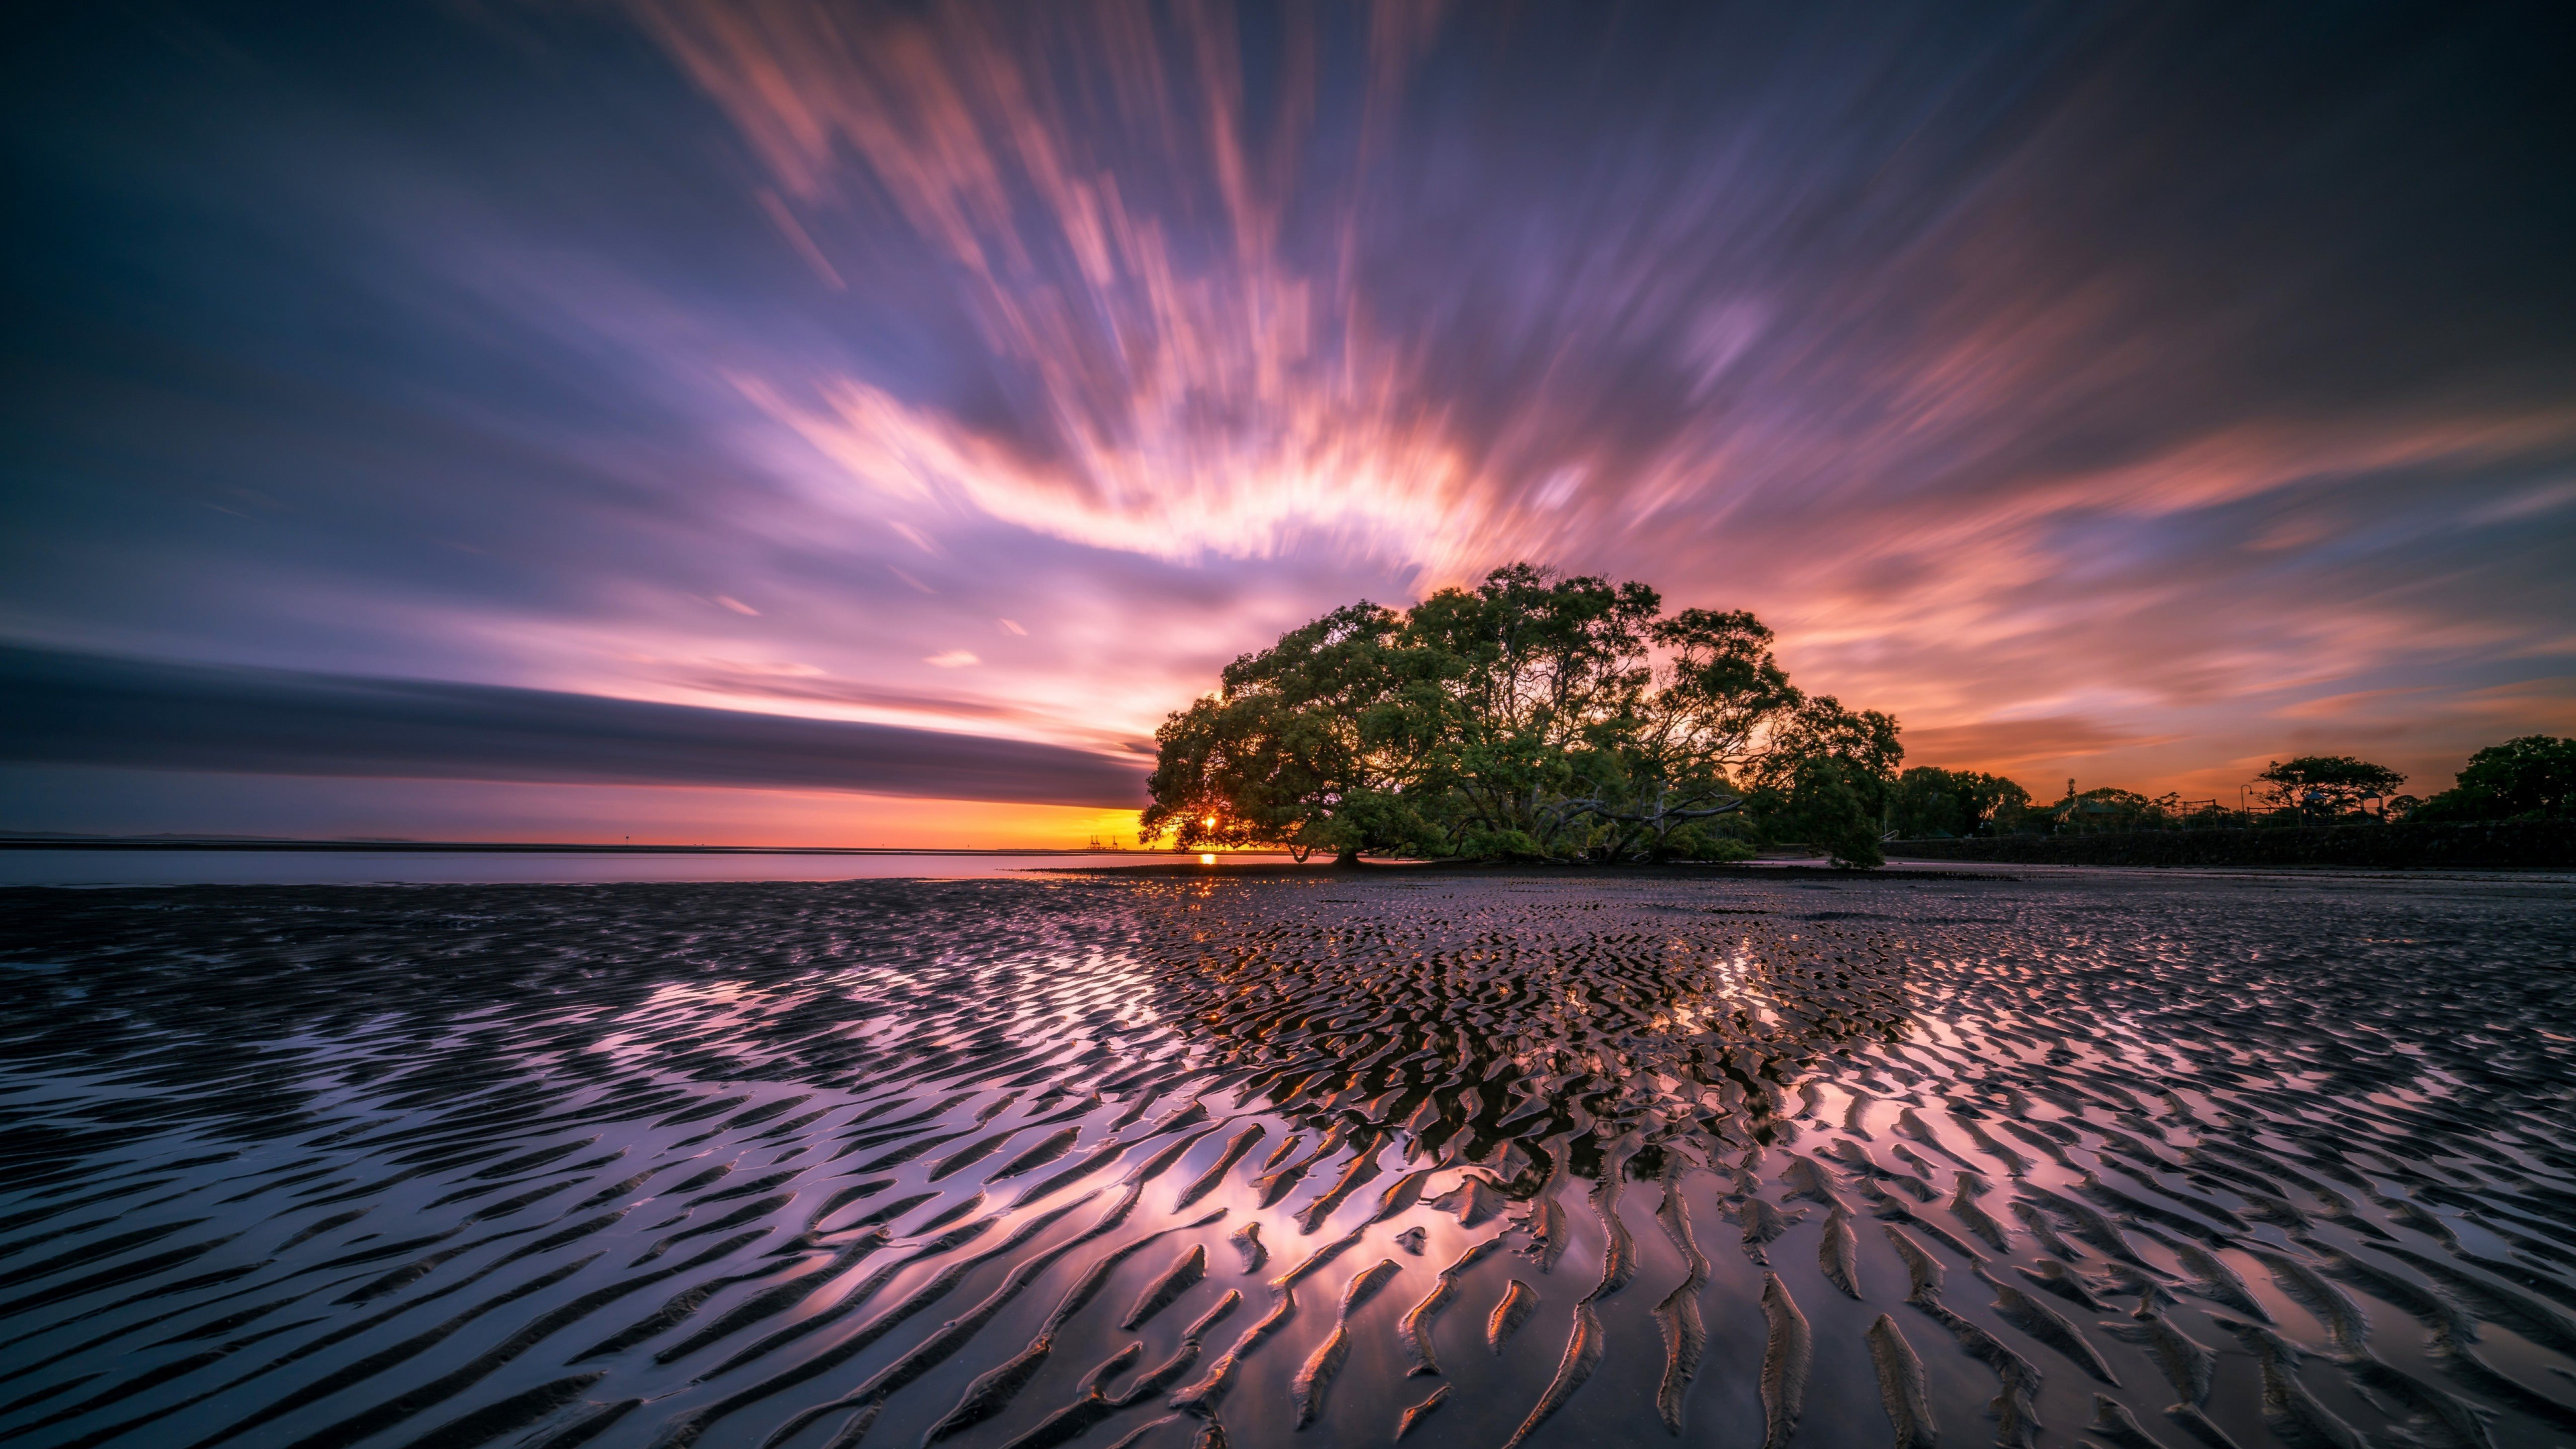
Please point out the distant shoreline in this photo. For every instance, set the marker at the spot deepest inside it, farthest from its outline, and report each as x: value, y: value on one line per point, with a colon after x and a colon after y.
x: 1766, y: 869
x: 2497, y: 845
x: 469, y: 847
x: 2555, y: 849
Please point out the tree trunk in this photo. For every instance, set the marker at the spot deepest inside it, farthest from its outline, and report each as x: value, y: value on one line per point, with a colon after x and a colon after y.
x: 1347, y: 858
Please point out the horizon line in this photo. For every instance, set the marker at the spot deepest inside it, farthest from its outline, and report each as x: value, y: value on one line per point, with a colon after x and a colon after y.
x: 41, y: 841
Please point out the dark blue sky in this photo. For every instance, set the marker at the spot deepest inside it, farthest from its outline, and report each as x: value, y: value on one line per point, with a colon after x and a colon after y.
x: 2136, y: 393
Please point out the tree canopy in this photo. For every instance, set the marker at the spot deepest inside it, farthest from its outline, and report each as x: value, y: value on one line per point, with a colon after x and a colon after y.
x: 1930, y: 802
x: 2327, y: 785
x: 1532, y: 717
x: 2530, y: 777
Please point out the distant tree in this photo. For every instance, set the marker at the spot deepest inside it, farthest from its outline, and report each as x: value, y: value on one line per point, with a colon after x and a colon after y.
x: 2002, y: 804
x: 1926, y: 804
x: 1532, y: 717
x: 2327, y: 786
x: 1929, y: 802
x: 2107, y: 808
x: 2530, y: 777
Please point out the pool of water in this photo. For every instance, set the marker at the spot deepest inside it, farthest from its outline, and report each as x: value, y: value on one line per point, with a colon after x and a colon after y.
x: 95, y: 867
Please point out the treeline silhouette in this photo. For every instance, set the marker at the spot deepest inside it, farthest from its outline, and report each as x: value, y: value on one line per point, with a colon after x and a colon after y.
x: 2529, y: 778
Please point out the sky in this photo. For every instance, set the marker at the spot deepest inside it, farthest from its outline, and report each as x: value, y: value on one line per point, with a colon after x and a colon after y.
x: 825, y: 423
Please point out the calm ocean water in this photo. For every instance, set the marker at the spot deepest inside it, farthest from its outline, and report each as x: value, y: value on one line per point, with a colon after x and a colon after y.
x: 569, y: 867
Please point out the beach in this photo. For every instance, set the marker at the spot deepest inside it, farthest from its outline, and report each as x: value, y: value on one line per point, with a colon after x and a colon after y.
x: 1472, y: 1157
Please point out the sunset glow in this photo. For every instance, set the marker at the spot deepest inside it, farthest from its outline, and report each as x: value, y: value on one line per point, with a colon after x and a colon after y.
x: 1005, y: 371
x: 1278, y: 723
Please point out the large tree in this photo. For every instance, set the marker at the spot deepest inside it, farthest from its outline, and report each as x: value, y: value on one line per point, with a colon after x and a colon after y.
x: 1531, y: 717
x: 1310, y: 743
x: 1824, y: 777
x: 2327, y: 786
x: 1717, y: 696
x: 2532, y: 776
x: 1542, y: 678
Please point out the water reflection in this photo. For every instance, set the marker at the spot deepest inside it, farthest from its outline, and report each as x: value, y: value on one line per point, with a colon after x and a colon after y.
x: 21, y: 866
x: 1521, y: 1032
x: 1007, y: 1162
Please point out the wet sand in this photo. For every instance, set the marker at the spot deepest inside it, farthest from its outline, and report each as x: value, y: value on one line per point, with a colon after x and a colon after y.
x: 1482, y: 1160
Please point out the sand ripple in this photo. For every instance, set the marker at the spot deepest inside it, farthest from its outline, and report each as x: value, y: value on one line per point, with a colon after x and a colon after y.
x: 1782, y: 1161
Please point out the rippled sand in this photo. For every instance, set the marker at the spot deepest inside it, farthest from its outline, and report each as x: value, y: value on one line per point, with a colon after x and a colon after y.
x: 1481, y: 1160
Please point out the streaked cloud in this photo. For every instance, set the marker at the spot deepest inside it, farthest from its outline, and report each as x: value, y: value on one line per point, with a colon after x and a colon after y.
x: 785, y: 358
x: 87, y: 710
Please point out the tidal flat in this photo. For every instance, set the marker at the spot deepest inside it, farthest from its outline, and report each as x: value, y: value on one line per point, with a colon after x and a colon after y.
x: 1479, y: 1159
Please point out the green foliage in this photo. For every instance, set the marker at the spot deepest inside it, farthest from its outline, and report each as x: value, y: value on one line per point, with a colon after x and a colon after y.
x: 1710, y: 847
x: 1530, y: 718
x: 2327, y: 786
x: 2530, y: 778
x: 2108, y: 808
x: 2112, y: 809
x: 1824, y: 802
x: 1826, y: 779
x: 2533, y: 777
x: 1310, y: 743
x: 1929, y: 802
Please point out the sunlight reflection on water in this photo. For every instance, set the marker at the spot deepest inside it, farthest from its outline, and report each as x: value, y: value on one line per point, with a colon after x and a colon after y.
x: 373, y: 867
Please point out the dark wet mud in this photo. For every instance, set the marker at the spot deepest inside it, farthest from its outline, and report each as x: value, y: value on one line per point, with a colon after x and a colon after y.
x: 1484, y: 1161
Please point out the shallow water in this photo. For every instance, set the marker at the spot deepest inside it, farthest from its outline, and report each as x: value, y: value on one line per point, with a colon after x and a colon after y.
x: 92, y: 867
x: 1569, y: 1160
